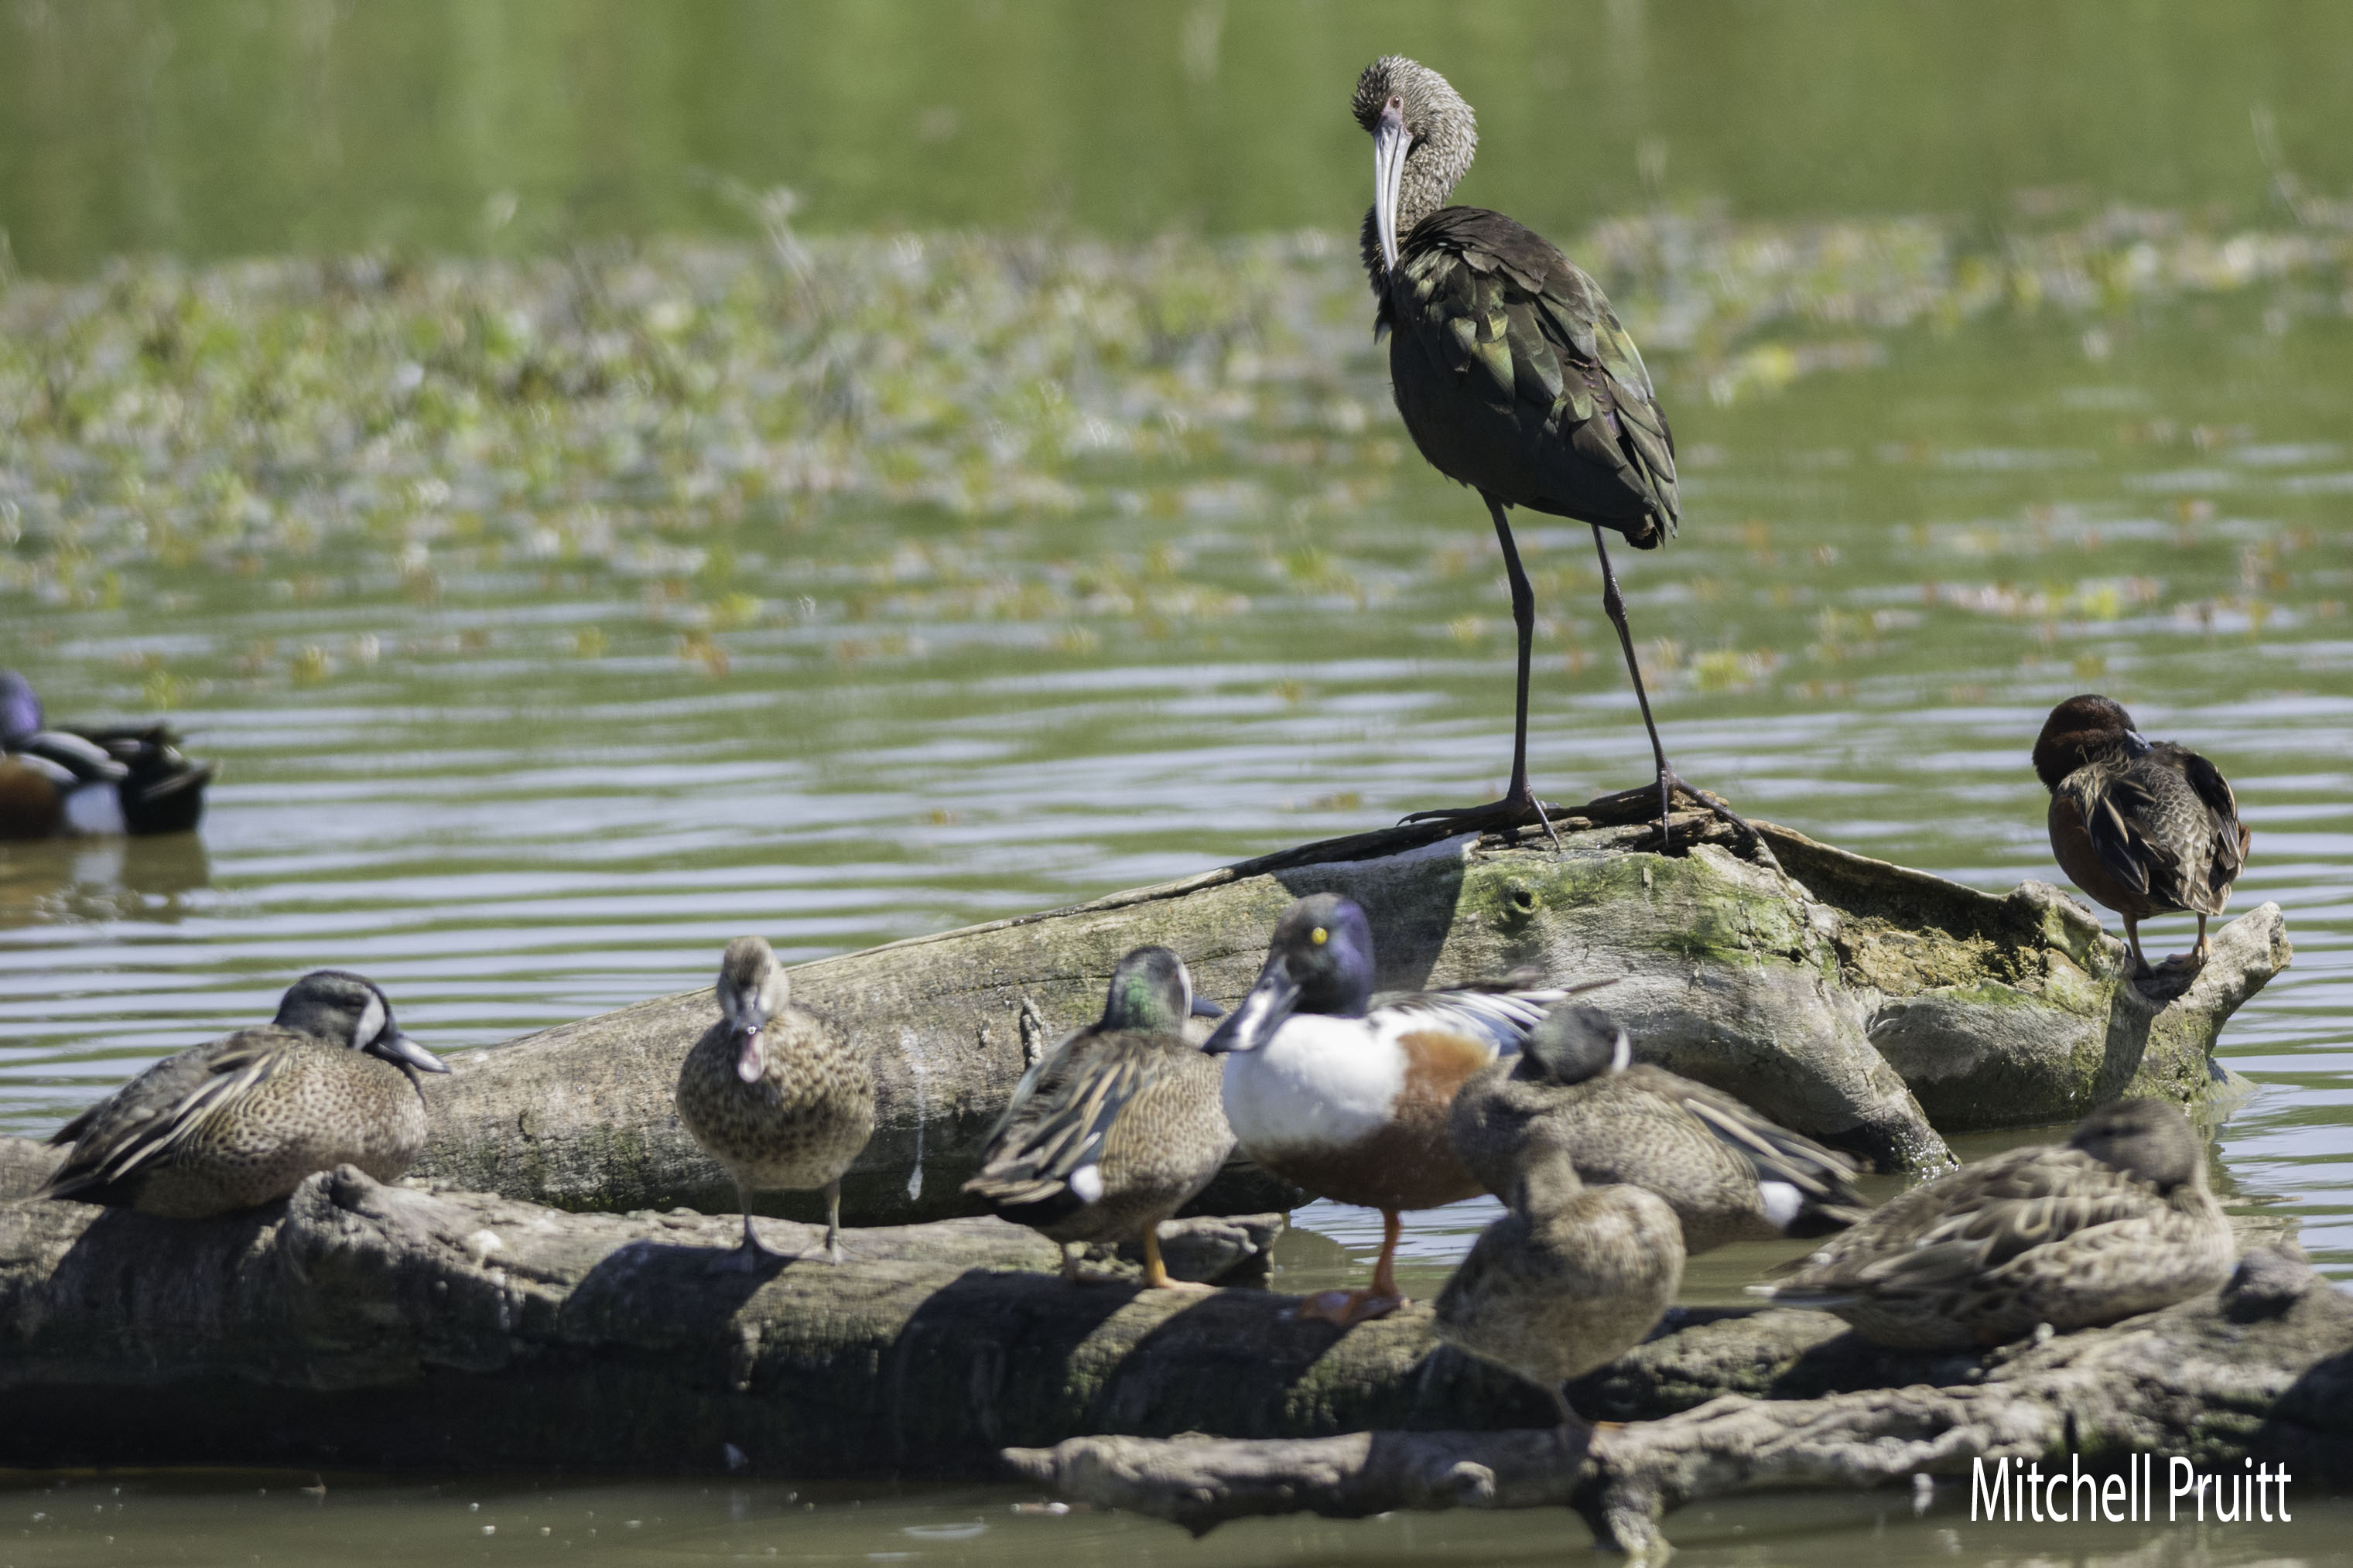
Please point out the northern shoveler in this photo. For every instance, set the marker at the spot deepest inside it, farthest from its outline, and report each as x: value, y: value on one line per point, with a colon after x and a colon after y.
x: 1118, y: 1127
x: 2146, y: 828
x: 1570, y: 1279
x: 1729, y: 1174
x: 128, y: 778
x: 775, y: 1093
x: 2116, y: 1220
x: 1349, y: 1100
x: 242, y: 1120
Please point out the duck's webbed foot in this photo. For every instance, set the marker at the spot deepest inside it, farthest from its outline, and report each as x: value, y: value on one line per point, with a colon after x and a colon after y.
x: 750, y: 1257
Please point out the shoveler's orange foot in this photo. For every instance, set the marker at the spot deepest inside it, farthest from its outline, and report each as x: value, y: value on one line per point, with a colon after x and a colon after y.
x: 1347, y: 1307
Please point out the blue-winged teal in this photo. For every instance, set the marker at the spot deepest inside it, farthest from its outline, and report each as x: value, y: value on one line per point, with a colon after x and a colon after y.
x: 2146, y: 828
x: 775, y: 1093
x: 1118, y: 1127
x: 1571, y: 1279
x: 1728, y: 1174
x: 1349, y: 1100
x: 2116, y: 1220
x: 129, y: 778
x: 242, y: 1120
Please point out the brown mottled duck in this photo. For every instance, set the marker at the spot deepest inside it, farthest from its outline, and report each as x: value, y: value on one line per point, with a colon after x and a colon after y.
x: 240, y: 1121
x: 775, y: 1094
x: 2146, y: 828
x: 1118, y: 1127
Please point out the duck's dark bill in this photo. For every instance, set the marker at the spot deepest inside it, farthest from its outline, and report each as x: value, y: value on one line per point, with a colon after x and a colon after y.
x: 1205, y: 1008
x: 399, y: 1048
x: 1261, y: 1013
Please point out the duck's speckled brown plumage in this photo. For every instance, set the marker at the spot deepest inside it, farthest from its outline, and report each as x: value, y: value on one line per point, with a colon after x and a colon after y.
x: 1569, y: 1279
x: 2116, y: 1221
x: 240, y: 1121
x: 2146, y: 828
x: 1703, y: 1151
x: 800, y: 1122
x: 1128, y: 1099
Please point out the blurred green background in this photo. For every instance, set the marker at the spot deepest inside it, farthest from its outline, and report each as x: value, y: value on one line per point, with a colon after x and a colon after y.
x: 225, y: 127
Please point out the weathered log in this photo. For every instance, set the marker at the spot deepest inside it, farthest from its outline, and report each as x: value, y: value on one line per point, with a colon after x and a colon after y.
x: 361, y: 1325
x: 2261, y: 1370
x: 1793, y: 983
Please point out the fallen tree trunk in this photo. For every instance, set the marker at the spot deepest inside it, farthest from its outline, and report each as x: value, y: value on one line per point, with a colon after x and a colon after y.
x: 1854, y: 1000
x: 365, y: 1325
x: 2261, y: 1371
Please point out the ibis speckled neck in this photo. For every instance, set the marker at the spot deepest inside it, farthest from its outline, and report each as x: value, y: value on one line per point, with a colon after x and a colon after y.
x: 1444, y: 133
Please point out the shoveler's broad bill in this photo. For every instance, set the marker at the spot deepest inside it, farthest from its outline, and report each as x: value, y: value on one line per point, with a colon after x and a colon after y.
x: 775, y: 1094
x: 1349, y: 1098
x: 1514, y: 377
x: 126, y: 778
x: 2117, y: 1220
x: 1118, y: 1127
x: 240, y: 1121
x: 1729, y: 1174
x: 2145, y: 827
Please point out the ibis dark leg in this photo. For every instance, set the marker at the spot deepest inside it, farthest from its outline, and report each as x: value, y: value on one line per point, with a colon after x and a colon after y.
x: 1613, y: 604
x: 1519, y: 802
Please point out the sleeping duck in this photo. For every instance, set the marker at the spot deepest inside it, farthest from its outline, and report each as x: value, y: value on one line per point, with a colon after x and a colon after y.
x: 129, y: 778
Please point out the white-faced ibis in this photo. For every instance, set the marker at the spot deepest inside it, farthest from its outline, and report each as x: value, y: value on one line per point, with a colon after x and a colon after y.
x: 1514, y: 377
x: 2146, y: 828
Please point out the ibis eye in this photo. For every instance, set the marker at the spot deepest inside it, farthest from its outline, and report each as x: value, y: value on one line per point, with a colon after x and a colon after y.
x: 1319, y: 936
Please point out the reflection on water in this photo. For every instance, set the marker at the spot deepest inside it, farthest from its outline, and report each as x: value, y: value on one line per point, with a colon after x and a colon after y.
x: 333, y: 1521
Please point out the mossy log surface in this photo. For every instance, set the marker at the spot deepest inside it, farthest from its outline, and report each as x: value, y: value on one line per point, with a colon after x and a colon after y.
x: 366, y: 1325
x: 1859, y: 1002
x: 2261, y: 1369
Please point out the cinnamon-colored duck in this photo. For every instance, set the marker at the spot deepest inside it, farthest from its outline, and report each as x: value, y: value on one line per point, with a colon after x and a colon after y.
x: 2146, y: 828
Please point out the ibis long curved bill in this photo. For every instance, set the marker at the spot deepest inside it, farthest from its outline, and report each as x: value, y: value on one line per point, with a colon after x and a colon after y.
x: 1391, y: 140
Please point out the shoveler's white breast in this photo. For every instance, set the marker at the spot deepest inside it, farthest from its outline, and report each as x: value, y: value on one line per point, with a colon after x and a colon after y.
x: 1321, y: 1082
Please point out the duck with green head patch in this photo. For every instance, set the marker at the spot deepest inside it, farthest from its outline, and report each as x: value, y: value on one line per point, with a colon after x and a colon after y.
x: 1118, y: 1127
x: 240, y: 1121
x: 122, y: 778
x: 775, y: 1094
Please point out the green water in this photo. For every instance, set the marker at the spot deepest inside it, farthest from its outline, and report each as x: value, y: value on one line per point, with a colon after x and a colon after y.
x: 590, y: 573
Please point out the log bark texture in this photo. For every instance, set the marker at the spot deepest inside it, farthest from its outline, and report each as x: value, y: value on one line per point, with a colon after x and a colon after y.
x: 364, y: 1325
x: 2261, y: 1370
x: 1854, y: 1000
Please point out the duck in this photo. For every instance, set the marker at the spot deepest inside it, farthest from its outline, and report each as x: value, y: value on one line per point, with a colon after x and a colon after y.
x: 1729, y: 1174
x: 129, y: 778
x: 775, y: 1094
x: 1120, y: 1126
x: 1571, y: 1277
x: 2116, y: 1221
x: 1349, y: 1098
x: 240, y: 1121
x: 2145, y: 828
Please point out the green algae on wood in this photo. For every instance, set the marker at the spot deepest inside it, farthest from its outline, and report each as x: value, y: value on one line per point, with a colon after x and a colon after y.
x: 1860, y: 1003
